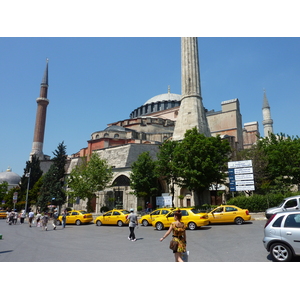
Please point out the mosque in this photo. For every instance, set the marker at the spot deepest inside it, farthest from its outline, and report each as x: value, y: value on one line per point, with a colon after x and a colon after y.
x: 165, y: 116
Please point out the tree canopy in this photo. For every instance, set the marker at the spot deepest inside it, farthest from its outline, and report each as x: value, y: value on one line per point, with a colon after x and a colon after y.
x: 88, y: 178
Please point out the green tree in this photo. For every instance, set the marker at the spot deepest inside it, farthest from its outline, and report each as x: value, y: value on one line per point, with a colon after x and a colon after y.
x: 283, y: 160
x: 88, y: 178
x: 201, y: 161
x: 165, y: 164
x: 52, y: 190
x: 3, y: 189
x: 143, y: 178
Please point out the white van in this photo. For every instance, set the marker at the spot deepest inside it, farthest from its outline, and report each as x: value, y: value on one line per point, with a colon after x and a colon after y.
x: 288, y: 204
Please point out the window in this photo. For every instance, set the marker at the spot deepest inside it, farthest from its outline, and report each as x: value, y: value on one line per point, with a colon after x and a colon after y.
x: 74, y: 213
x: 277, y: 223
x: 116, y: 136
x: 155, y: 213
x: 184, y: 213
x: 107, y: 214
x: 292, y: 221
x: 230, y: 209
x: 291, y: 203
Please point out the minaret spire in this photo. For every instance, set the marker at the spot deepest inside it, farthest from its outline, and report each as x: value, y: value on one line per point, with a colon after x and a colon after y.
x: 267, y: 120
x: 39, y: 129
x: 191, y: 111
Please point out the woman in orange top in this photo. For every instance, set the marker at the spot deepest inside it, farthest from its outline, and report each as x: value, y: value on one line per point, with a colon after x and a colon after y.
x: 179, y: 235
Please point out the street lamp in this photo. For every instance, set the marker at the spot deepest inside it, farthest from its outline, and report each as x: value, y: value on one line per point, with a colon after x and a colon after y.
x: 27, y: 175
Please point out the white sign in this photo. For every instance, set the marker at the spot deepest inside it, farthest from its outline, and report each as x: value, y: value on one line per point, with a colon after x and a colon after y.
x: 244, y: 177
x: 164, y: 201
x: 239, y: 164
x: 243, y: 170
x: 245, y: 182
x: 245, y: 188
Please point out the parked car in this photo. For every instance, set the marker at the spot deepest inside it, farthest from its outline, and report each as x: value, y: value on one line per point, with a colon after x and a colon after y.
x: 77, y: 217
x: 3, y: 214
x: 193, y: 218
x: 147, y: 219
x: 288, y: 204
x: 113, y: 217
x: 229, y: 214
x: 282, y: 235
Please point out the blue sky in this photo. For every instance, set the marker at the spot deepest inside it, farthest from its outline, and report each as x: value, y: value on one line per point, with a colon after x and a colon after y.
x: 96, y: 81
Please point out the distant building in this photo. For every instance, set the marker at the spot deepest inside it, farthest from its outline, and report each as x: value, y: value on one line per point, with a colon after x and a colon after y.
x: 12, y: 178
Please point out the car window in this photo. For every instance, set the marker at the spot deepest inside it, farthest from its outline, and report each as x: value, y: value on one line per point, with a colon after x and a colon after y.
x: 74, y: 213
x: 218, y: 210
x: 164, y: 211
x: 229, y: 209
x: 184, y: 213
x: 155, y: 213
x: 108, y: 214
x: 291, y: 203
x: 277, y: 223
x: 292, y: 221
x: 116, y: 213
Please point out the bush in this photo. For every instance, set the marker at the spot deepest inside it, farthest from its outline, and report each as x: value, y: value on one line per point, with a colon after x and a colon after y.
x: 139, y: 208
x: 258, y: 203
x: 104, y: 209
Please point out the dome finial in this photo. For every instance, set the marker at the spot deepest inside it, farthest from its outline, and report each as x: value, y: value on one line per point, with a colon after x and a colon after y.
x: 169, y: 89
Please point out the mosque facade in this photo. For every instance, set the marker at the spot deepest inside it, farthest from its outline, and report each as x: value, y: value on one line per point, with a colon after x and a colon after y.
x: 150, y: 124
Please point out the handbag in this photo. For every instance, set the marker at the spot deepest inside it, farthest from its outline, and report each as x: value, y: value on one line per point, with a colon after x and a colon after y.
x: 173, y: 245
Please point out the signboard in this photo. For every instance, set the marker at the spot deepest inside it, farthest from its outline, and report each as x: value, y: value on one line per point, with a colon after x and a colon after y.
x: 164, y: 201
x: 15, y: 197
x: 240, y: 175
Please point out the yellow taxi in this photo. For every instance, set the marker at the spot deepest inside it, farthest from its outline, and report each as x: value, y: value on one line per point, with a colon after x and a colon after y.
x: 229, y: 214
x: 77, y: 217
x: 193, y: 218
x: 113, y: 217
x: 147, y: 219
x: 3, y: 214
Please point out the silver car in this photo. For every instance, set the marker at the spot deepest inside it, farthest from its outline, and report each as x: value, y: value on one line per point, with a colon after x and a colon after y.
x: 282, y: 235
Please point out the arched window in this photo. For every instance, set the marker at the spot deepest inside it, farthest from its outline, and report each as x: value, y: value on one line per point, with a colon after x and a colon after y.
x: 122, y: 180
x: 116, y: 136
x: 106, y: 135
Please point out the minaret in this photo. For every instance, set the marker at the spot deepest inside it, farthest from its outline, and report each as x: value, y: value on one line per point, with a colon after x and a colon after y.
x: 191, y: 111
x: 267, y: 120
x: 40, y: 121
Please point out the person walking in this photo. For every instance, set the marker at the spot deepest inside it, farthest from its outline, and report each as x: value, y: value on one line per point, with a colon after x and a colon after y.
x: 11, y: 217
x: 38, y: 219
x: 22, y: 216
x: 30, y: 217
x: 15, y: 217
x: 179, y: 236
x: 63, y: 219
x: 133, y: 222
x: 55, y: 216
x: 45, y: 219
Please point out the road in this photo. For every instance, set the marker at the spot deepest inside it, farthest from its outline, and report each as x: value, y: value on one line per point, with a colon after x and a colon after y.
x: 89, y: 243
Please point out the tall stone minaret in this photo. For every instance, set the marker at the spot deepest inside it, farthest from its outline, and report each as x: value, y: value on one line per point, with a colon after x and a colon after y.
x: 191, y: 111
x: 267, y: 120
x: 40, y: 121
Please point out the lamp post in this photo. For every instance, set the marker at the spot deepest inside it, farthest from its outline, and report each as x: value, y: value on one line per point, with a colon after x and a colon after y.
x: 27, y: 175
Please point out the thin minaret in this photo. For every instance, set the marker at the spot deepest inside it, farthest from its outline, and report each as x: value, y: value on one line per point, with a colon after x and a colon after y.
x: 39, y: 129
x: 191, y: 111
x: 267, y: 120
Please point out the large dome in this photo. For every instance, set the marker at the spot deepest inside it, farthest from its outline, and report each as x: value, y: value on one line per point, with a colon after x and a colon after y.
x: 164, y: 97
x: 10, y: 177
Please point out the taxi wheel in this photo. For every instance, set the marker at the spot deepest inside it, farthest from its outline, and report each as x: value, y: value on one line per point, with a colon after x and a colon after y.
x: 98, y: 223
x: 120, y: 223
x: 78, y: 222
x: 159, y: 226
x: 192, y: 226
x: 239, y: 221
x: 145, y: 223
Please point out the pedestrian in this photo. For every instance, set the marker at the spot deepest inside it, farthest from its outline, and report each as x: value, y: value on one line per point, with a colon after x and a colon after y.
x: 30, y: 217
x: 133, y: 222
x: 15, y: 217
x: 38, y: 219
x: 11, y: 217
x: 55, y: 216
x: 22, y: 216
x: 179, y: 235
x: 149, y: 207
x: 63, y: 219
x: 44, y: 220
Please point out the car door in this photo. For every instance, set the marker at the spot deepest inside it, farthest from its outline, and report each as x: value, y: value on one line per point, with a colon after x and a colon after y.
x: 71, y: 219
x: 230, y: 214
x: 291, y: 231
x: 169, y: 219
x: 106, y: 218
x: 217, y: 215
x: 115, y: 217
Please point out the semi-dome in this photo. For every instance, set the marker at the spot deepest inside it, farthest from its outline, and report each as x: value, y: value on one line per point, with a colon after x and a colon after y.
x: 10, y: 177
x: 164, y: 97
